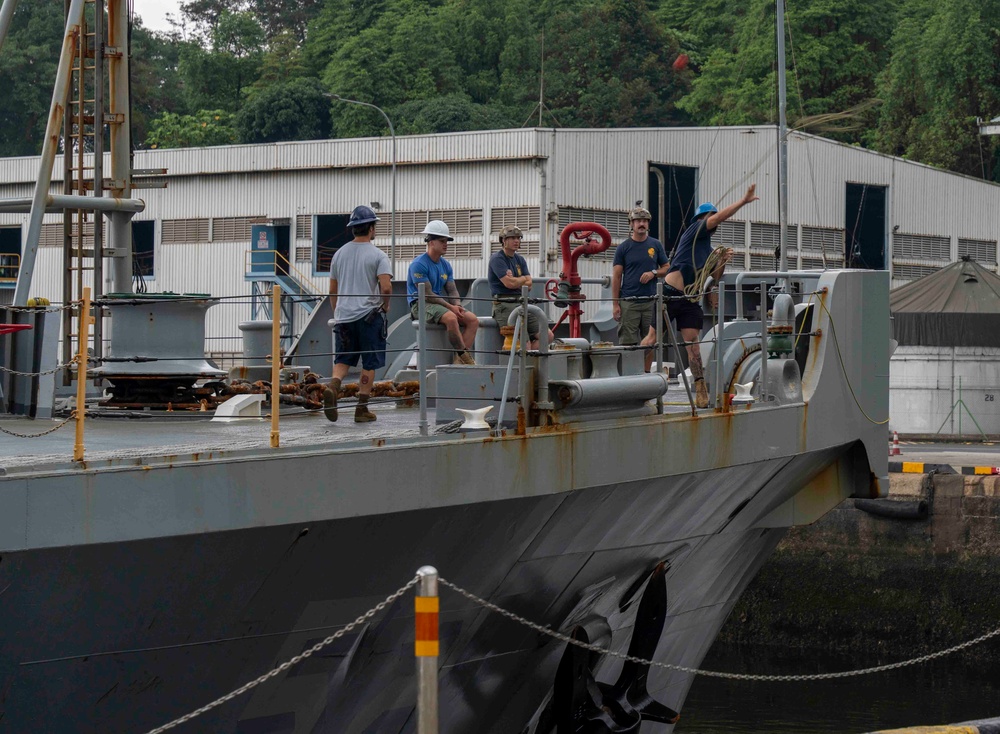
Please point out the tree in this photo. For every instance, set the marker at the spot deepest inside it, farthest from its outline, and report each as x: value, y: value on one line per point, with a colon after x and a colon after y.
x: 448, y: 113
x: 156, y: 82
x: 218, y: 77
x: 294, y: 110
x: 206, y: 127
x: 27, y: 72
x: 942, y: 75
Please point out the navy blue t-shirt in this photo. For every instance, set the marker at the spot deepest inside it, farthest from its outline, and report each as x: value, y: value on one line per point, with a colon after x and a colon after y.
x: 693, y: 249
x: 499, y: 265
x: 637, y: 258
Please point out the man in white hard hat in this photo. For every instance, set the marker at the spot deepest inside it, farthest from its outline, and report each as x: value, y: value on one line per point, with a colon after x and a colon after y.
x: 360, y: 287
x: 444, y: 306
x: 508, y: 273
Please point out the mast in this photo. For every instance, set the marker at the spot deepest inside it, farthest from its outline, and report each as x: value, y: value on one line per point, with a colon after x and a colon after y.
x: 782, y: 141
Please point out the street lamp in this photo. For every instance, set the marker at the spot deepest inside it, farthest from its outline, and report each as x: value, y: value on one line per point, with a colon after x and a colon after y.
x: 392, y: 132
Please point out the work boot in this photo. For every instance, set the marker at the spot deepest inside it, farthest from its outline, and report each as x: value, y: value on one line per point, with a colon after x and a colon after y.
x: 457, y: 359
x: 361, y: 413
x: 468, y: 358
x: 330, y: 395
x: 700, y: 393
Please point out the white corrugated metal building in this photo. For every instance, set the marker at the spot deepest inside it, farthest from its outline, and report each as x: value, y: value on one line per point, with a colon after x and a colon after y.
x: 847, y: 204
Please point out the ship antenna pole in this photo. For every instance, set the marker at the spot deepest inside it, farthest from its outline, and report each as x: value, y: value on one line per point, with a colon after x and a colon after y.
x: 782, y: 142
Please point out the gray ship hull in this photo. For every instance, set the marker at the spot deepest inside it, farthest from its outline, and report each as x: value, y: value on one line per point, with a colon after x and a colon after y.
x: 558, y: 559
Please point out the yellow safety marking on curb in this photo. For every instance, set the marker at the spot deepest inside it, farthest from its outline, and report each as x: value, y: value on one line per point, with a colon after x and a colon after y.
x: 984, y: 469
x: 913, y: 467
x: 944, y: 729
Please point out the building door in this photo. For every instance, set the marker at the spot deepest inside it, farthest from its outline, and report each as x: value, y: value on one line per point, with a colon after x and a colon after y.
x: 672, y: 191
x: 864, y: 242
x: 10, y: 255
x: 282, y: 243
x: 329, y: 233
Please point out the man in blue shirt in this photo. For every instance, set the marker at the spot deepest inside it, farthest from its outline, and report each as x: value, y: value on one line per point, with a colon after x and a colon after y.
x: 687, y: 276
x: 443, y: 304
x: 508, y: 273
x: 638, y: 262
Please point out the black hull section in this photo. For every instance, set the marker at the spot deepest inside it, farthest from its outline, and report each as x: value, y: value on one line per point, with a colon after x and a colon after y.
x: 193, y: 617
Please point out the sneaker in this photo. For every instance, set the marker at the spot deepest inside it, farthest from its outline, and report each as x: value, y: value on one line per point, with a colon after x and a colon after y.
x: 700, y: 394
x: 468, y: 358
x: 363, y: 415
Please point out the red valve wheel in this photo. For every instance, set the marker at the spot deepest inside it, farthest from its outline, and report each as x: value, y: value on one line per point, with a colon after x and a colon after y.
x: 551, y: 286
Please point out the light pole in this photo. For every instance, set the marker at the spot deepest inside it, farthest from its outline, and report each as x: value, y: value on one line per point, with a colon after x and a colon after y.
x: 392, y: 132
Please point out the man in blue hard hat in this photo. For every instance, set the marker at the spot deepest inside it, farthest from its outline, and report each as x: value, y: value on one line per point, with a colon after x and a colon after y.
x: 443, y: 304
x: 639, y: 261
x: 360, y: 287
x: 693, y: 262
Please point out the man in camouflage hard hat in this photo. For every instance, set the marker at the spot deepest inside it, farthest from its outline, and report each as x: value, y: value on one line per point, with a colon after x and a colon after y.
x: 508, y: 273
x: 638, y: 262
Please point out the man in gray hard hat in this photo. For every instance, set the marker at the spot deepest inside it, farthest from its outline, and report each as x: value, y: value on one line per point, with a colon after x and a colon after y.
x: 638, y: 262
x: 508, y: 273
x: 443, y: 304
x: 362, y: 273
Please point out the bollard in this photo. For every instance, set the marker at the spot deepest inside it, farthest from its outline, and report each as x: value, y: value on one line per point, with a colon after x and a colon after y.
x: 426, y: 648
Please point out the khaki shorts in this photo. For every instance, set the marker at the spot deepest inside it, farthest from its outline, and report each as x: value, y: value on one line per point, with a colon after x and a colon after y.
x: 502, y: 311
x: 432, y: 311
x: 637, y: 317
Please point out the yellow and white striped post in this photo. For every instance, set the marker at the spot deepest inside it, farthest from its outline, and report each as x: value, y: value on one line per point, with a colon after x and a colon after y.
x: 426, y: 648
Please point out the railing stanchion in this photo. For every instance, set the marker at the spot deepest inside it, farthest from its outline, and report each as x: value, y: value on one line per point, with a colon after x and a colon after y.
x: 427, y: 648
x: 659, y: 339
x: 83, y: 337
x: 421, y: 354
x: 680, y: 364
x: 275, y: 364
x: 720, y: 312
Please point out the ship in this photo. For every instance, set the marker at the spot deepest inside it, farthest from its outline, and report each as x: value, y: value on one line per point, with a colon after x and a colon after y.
x: 183, y: 557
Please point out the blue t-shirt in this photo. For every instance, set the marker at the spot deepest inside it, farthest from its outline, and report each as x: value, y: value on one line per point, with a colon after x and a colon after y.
x: 499, y: 265
x: 637, y: 258
x: 425, y: 270
x: 693, y: 249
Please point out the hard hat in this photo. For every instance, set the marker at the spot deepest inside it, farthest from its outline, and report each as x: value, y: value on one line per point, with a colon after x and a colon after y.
x: 509, y: 231
x: 362, y: 215
x: 706, y: 208
x: 639, y: 213
x: 437, y: 228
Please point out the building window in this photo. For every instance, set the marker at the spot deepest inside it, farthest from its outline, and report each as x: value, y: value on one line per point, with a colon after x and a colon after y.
x: 143, y: 250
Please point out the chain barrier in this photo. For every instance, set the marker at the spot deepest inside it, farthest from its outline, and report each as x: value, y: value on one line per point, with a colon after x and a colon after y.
x: 40, y: 309
x: 711, y: 673
x: 43, y: 433
x: 9, y: 371
x: 293, y: 661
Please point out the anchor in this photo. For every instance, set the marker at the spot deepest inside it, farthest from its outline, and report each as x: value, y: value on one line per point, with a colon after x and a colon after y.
x: 582, y: 705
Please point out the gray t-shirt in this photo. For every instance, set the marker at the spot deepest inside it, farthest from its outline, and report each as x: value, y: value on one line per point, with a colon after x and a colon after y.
x: 356, y: 267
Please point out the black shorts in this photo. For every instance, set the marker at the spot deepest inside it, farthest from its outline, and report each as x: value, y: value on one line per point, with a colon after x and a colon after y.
x: 688, y: 315
x: 362, y: 339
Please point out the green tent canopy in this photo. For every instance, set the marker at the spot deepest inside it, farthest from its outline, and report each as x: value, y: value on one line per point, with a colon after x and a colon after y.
x: 958, y: 306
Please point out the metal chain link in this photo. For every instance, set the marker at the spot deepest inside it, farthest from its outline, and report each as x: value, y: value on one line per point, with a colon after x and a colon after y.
x: 40, y: 309
x: 43, y: 433
x: 39, y: 374
x: 293, y: 661
x: 711, y: 673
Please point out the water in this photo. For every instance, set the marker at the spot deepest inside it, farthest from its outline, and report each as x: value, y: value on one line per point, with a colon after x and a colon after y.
x: 945, y: 691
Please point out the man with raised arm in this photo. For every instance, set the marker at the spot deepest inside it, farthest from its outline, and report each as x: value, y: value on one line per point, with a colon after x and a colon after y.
x: 694, y: 261
x: 444, y: 306
x: 360, y: 286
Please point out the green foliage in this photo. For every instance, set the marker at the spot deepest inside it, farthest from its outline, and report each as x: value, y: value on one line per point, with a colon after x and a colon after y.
x: 449, y: 113
x: 205, y: 127
x: 156, y: 83
x: 218, y: 77
x: 294, y: 110
x: 27, y: 70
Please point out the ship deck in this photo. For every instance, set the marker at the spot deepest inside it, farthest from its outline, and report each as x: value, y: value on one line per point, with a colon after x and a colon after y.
x: 129, y: 434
